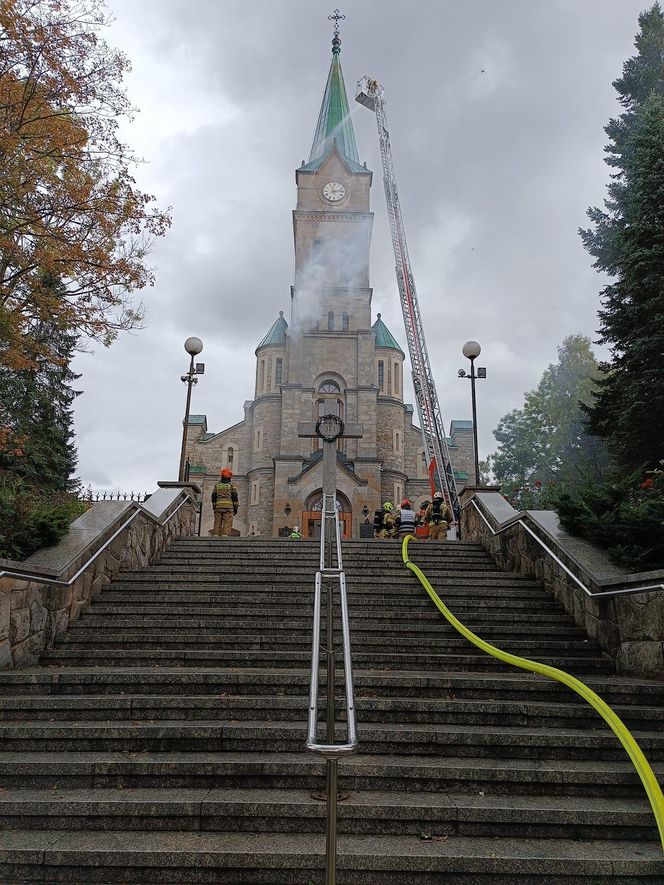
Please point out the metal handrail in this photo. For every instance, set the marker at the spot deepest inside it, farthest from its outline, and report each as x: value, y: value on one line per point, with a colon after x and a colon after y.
x: 331, y: 576
x: 641, y: 764
x: 26, y: 575
x: 625, y: 591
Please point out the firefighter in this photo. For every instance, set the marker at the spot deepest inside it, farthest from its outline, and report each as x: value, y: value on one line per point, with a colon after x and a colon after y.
x: 421, y: 513
x: 295, y: 534
x: 383, y: 524
x: 439, y: 517
x: 225, y: 503
x: 406, y: 519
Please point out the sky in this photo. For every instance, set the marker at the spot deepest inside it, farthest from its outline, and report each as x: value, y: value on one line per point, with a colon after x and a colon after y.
x: 496, y: 111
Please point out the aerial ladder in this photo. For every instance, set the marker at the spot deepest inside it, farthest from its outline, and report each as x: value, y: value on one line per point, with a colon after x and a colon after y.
x: 370, y: 93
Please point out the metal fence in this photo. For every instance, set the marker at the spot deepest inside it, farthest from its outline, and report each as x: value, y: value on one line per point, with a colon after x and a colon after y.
x: 90, y: 497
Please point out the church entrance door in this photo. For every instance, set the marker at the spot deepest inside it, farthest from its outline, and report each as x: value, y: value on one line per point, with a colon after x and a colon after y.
x: 311, y: 516
x: 311, y: 524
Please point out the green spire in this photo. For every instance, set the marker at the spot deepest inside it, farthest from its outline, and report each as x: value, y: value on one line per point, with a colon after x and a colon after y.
x: 383, y: 337
x: 276, y: 334
x: 334, y: 122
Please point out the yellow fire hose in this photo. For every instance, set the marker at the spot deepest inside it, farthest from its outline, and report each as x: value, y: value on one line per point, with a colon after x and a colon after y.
x: 643, y: 769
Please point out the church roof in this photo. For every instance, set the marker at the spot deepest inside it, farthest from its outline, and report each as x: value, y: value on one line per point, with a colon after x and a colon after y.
x: 458, y: 424
x: 277, y: 332
x: 335, y: 127
x: 383, y: 337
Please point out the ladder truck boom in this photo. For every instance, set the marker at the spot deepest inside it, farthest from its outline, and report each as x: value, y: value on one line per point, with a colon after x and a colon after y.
x: 370, y: 93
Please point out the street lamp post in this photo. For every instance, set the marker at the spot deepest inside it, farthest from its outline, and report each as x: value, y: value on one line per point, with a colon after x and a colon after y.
x: 193, y: 346
x: 471, y: 350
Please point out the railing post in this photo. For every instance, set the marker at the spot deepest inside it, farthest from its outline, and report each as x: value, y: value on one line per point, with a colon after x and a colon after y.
x: 330, y: 576
x: 331, y: 764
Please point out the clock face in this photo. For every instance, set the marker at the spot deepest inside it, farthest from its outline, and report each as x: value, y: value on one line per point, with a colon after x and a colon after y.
x: 334, y: 191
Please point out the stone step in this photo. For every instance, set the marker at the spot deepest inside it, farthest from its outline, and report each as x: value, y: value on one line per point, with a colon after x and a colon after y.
x: 353, y: 545
x: 269, y: 810
x: 383, y: 593
x: 149, y: 626
x: 469, y: 660
x: 240, y: 563
x: 373, y: 572
x: 439, y: 739
x: 439, y: 640
x: 283, y: 859
x: 513, y: 685
x: 217, y: 604
x: 249, y: 769
x: 424, y: 614
x: 293, y: 707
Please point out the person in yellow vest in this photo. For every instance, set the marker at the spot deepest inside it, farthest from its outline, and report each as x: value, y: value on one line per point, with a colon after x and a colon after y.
x: 296, y: 535
x: 225, y: 503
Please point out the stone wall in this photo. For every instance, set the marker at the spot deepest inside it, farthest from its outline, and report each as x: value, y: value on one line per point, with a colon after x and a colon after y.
x: 628, y: 627
x: 36, y: 613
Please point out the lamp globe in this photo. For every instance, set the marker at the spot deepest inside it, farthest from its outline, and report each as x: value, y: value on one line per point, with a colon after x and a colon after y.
x: 193, y: 345
x: 471, y: 349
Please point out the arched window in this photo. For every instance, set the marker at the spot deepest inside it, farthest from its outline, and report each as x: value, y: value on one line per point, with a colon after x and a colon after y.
x: 344, y: 322
x: 230, y: 456
x: 328, y: 390
x: 330, y: 321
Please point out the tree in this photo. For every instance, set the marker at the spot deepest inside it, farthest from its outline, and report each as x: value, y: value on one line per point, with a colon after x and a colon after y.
x: 36, y: 410
x: 627, y: 241
x: 38, y: 494
x: 547, y: 441
x: 69, y: 207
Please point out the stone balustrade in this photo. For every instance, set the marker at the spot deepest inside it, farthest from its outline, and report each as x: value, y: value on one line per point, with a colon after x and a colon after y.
x: 628, y: 627
x: 40, y: 596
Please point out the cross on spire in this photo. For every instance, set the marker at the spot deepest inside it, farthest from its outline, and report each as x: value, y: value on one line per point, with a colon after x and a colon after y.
x: 336, y: 17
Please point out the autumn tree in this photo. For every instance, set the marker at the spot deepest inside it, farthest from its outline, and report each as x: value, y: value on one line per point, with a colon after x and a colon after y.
x: 627, y: 241
x: 69, y: 206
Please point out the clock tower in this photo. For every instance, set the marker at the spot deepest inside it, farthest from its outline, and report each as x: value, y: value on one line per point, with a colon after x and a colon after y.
x: 332, y: 222
x: 327, y: 354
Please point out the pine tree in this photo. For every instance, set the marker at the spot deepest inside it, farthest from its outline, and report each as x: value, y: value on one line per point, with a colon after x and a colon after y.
x: 37, y: 450
x: 627, y: 241
x: 36, y: 409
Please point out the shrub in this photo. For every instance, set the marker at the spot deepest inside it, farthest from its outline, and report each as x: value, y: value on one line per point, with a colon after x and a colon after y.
x: 624, y: 516
x: 32, y: 518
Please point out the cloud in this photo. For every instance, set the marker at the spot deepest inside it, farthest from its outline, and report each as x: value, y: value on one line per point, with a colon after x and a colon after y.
x: 495, y: 172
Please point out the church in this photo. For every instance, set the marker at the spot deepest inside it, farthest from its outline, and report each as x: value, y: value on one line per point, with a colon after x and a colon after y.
x: 328, y: 351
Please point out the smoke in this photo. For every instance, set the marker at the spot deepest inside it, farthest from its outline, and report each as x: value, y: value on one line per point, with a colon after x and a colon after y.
x: 335, y: 267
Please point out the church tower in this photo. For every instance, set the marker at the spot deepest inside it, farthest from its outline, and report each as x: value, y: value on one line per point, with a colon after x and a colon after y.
x: 332, y: 222
x: 327, y: 350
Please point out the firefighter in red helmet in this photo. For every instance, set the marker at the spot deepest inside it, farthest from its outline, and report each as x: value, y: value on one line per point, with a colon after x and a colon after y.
x: 224, y: 503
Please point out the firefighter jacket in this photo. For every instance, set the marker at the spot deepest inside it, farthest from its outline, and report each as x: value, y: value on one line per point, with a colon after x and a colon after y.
x: 224, y: 497
x: 438, y: 511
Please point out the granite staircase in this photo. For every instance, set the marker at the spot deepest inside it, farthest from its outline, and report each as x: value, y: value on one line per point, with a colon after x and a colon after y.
x: 162, y: 740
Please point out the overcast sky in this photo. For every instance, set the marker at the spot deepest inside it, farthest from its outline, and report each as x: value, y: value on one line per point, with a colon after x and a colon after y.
x: 496, y: 111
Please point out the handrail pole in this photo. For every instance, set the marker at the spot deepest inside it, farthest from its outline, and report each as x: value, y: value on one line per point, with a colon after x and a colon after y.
x: 330, y: 764
x: 329, y: 577
x: 331, y: 827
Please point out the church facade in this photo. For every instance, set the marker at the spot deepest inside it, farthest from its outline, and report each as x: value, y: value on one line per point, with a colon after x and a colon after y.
x: 330, y: 355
